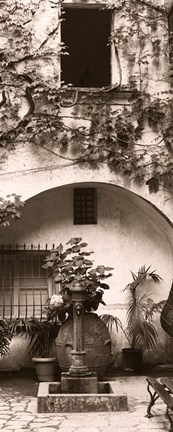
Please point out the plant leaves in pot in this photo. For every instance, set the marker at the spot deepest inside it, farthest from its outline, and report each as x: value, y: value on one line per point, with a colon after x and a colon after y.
x: 41, y: 337
x: 68, y: 265
x: 139, y: 331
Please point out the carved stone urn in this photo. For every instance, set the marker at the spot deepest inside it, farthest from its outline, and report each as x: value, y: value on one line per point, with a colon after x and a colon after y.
x: 97, y: 344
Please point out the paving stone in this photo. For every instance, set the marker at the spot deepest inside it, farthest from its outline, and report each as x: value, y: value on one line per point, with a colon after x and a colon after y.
x: 16, y: 428
x: 7, y: 429
x: 47, y: 429
x: 2, y: 423
x: 16, y: 424
x: 4, y: 408
x: 42, y: 420
x: 90, y: 429
x: 24, y: 416
x: 21, y: 430
x: 18, y: 408
x: 19, y: 414
x: 53, y: 423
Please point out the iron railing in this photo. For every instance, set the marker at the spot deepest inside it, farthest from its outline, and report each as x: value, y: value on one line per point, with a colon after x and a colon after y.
x: 24, y: 283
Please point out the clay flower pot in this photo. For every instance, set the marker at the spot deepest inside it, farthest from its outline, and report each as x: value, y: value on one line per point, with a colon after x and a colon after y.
x: 45, y: 368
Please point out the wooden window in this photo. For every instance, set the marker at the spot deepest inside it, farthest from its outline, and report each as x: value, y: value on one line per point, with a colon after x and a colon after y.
x: 85, y: 33
x: 85, y: 206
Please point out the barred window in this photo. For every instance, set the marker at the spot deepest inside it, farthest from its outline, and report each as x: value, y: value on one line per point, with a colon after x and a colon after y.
x: 24, y: 285
x: 85, y: 206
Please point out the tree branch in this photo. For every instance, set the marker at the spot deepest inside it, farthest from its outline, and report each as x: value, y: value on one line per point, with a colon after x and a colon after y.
x: 3, y: 98
x: 49, y: 35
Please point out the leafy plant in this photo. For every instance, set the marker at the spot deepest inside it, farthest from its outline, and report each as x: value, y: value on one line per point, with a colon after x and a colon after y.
x: 40, y: 334
x: 5, y: 337
x: 139, y: 331
x: 10, y: 208
x: 140, y: 37
x: 69, y: 265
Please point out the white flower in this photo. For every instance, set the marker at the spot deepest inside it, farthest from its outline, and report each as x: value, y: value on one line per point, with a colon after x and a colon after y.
x: 56, y: 300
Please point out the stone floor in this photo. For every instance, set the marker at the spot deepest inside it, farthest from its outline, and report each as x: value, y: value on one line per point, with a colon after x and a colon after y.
x: 18, y: 409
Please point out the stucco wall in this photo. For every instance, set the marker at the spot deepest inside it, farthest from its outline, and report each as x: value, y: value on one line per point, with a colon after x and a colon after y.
x: 129, y: 233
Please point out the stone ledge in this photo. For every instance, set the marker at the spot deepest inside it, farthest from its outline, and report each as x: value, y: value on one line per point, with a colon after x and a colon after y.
x: 64, y: 403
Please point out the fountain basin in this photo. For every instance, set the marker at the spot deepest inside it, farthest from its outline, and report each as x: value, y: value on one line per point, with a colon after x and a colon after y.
x: 51, y: 400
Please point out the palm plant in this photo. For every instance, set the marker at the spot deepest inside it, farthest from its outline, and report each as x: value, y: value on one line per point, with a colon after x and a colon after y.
x: 5, y: 337
x: 40, y: 334
x: 140, y: 331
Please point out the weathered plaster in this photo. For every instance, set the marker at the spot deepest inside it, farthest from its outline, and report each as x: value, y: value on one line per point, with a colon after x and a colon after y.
x: 32, y: 181
x: 131, y: 231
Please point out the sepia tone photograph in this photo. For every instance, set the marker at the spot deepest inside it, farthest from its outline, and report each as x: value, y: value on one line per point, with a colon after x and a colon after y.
x: 86, y: 215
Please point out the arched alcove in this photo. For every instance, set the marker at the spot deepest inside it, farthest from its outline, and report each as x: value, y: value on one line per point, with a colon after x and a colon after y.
x: 129, y: 232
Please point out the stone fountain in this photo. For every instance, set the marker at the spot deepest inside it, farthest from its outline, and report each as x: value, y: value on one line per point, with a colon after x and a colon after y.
x: 79, y: 389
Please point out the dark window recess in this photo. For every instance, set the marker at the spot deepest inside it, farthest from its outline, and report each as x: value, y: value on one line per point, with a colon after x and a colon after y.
x: 170, y: 26
x: 85, y: 206
x: 85, y: 33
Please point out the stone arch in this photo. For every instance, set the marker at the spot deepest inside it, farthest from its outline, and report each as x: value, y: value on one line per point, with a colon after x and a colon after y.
x: 130, y: 231
x: 30, y: 183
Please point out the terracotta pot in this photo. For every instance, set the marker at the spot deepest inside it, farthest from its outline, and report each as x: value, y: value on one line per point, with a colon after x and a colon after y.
x: 97, y: 344
x: 45, y: 368
x: 132, y: 359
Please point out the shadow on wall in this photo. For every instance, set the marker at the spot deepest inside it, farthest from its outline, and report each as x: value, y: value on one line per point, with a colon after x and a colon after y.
x: 162, y: 353
x: 18, y: 357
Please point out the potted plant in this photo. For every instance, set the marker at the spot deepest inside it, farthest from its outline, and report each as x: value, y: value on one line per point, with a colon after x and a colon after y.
x: 41, y: 337
x: 5, y: 337
x: 140, y: 331
x: 68, y: 265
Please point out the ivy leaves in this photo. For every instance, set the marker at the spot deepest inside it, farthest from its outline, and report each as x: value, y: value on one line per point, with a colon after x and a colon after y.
x: 93, y: 131
x: 10, y: 208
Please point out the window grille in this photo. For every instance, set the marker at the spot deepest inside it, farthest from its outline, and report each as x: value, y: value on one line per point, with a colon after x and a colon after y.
x: 24, y: 283
x: 85, y: 206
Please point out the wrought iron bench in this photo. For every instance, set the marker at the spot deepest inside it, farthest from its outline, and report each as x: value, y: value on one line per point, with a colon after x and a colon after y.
x: 162, y: 388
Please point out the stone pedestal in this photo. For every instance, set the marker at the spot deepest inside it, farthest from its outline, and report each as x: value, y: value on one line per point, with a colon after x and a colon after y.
x: 85, y: 384
x: 79, y: 367
x: 79, y: 389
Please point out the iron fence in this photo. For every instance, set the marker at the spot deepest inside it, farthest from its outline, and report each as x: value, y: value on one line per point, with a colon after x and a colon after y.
x: 24, y: 284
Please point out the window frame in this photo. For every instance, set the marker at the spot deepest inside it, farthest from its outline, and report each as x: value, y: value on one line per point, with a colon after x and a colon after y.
x: 113, y: 82
x: 15, y: 260
x: 94, y: 206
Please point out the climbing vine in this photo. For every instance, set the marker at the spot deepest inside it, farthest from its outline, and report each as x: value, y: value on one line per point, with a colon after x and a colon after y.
x: 10, y: 208
x: 127, y: 126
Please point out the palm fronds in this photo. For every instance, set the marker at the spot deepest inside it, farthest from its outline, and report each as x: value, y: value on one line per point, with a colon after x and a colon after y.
x: 40, y: 334
x: 114, y: 323
x: 25, y: 327
x: 140, y: 331
x: 143, y: 274
x: 5, y: 337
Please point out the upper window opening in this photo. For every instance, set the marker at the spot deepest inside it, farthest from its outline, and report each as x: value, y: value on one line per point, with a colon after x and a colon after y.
x: 85, y: 33
x: 170, y: 26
